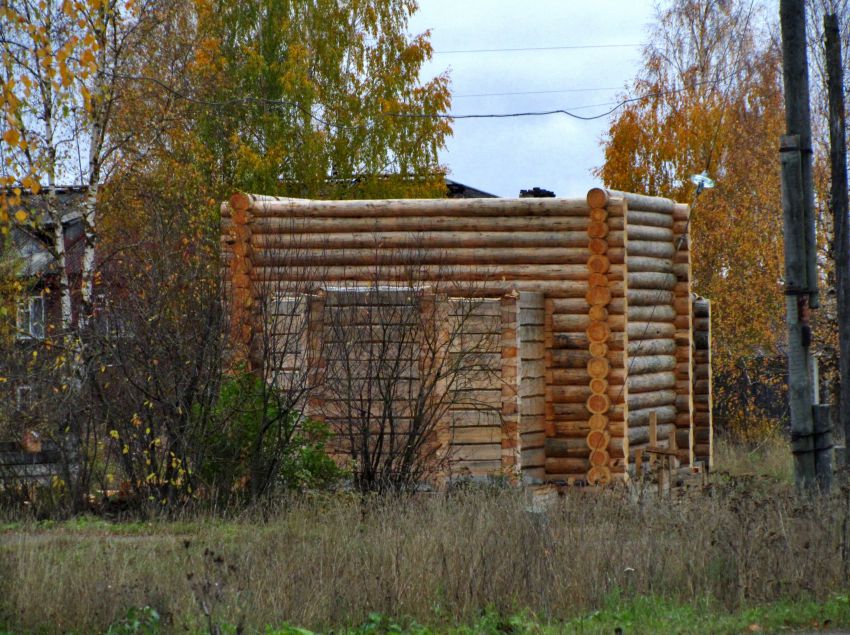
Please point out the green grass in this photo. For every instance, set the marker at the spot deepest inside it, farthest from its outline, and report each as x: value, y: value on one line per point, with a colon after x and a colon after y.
x: 771, y: 458
x: 644, y: 614
x: 655, y: 615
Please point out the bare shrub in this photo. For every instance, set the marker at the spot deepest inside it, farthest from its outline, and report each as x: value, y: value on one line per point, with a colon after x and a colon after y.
x: 397, y: 359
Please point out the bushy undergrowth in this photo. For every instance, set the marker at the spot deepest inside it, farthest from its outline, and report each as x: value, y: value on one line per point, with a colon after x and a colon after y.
x: 439, y: 559
x: 770, y: 457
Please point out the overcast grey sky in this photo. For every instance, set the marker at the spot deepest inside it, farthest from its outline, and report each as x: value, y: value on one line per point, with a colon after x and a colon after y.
x: 502, y: 156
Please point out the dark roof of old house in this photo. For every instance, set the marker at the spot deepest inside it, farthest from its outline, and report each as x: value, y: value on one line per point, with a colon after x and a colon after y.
x: 31, y: 240
x: 69, y: 200
x: 459, y: 190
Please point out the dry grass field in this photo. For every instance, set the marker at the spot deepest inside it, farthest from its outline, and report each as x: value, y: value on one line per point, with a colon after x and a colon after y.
x: 331, y: 561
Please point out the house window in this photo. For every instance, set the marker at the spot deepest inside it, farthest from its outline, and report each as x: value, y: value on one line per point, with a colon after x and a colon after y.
x: 30, y: 322
x: 107, y: 320
x: 23, y: 397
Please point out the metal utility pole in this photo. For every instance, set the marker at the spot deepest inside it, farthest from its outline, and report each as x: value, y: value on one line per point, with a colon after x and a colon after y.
x: 800, y: 257
x: 840, y: 209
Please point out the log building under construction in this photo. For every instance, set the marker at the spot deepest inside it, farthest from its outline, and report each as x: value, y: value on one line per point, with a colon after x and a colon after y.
x: 577, y: 317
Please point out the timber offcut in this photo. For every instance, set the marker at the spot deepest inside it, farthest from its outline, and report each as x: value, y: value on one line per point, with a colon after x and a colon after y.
x: 582, y: 314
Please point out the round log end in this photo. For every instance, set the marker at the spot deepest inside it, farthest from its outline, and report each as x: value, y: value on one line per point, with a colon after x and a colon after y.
x: 598, y: 404
x: 597, y: 197
x: 598, y: 296
x: 598, y: 263
x: 597, y: 230
x: 597, y: 422
x: 598, y: 349
x: 599, y: 458
x: 598, y: 313
x: 599, y: 475
x: 597, y: 280
x: 598, y: 386
x: 597, y: 245
x: 598, y: 439
x: 240, y: 202
x: 598, y: 214
x: 598, y: 332
x: 597, y: 368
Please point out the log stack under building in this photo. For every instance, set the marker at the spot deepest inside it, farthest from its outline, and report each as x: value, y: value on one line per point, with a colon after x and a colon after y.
x: 581, y: 311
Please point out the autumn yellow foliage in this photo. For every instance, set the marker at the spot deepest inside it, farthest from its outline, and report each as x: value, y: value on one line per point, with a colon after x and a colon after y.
x: 713, y: 102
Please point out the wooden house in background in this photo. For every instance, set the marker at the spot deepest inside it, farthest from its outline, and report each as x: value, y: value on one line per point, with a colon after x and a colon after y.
x: 580, y: 311
x: 27, y: 455
x: 31, y: 255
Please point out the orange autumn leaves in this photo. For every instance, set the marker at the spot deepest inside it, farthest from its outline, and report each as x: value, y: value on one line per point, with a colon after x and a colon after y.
x: 714, y: 102
x: 47, y: 57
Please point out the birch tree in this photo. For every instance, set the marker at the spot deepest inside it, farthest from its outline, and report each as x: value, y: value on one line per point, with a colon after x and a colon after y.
x: 65, y: 66
x: 318, y: 98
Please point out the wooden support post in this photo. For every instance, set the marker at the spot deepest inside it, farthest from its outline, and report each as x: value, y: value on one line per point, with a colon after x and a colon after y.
x: 673, y: 446
x: 663, y: 475
x: 800, y: 250
x: 653, y: 434
x: 797, y: 309
x: 840, y: 210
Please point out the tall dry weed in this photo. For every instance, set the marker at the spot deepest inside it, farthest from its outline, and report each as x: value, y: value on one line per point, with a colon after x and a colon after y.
x: 433, y: 557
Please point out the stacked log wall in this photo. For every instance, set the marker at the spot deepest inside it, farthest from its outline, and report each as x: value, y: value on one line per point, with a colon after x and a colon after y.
x: 652, y: 327
x: 684, y: 335
x: 586, y: 391
x: 593, y: 324
x: 703, y: 400
x: 479, y: 247
x: 485, y: 249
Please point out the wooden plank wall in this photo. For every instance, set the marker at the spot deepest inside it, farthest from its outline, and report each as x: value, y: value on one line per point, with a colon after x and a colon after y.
x: 19, y: 466
x: 532, y: 385
x: 286, y: 342
x: 476, y: 429
x: 369, y: 350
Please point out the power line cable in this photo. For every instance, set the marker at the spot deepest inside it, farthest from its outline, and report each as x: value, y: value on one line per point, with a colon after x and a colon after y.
x: 700, y: 186
x: 543, y: 113
x: 539, y: 92
x: 563, y: 111
x: 538, y: 48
